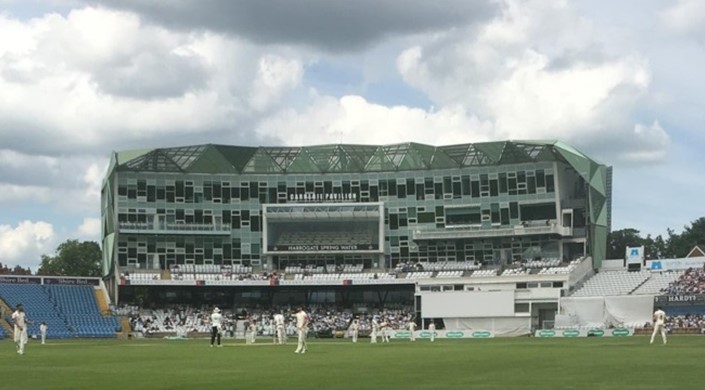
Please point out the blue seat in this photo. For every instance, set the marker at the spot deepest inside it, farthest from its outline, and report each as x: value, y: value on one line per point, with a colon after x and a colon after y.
x: 69, y: 311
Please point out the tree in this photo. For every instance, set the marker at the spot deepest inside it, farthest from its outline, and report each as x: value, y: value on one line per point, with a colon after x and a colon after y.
x: 5, y: 270
x: 73, y: 258
x: 619, y: 240
x: 21, y: 271
x: 655, y: 248
x: 692, y: 235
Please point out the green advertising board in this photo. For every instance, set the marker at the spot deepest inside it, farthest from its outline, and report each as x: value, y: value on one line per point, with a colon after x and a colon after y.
x: 621, y: 332
x: 596, y: 332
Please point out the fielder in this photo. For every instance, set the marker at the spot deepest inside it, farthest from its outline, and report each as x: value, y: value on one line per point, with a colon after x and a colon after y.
x: 43, y: 332
x: 432, y: 330
x: 375, y: 329
x: 302, y: 320
x: 659, y: 325
x: 354, y: 329
x: 385, y: 331
x: 216, y: 326
x: 279, y: 326
x: 253, y: 332
x: 19, y: 319
x: 412, y: 328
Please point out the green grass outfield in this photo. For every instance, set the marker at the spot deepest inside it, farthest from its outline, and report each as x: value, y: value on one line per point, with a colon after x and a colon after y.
x: 506, y: 363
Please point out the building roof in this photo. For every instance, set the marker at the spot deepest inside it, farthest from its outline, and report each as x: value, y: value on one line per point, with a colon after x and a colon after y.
x: 345, y: 158
x: 697, y: 251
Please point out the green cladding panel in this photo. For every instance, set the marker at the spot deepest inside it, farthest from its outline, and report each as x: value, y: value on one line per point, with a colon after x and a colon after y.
x: 346, y: 158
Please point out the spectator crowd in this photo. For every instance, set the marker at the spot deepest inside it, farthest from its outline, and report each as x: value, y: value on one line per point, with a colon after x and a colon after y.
x: 692, y: 281
x: 686, y: 321
x: 326, y: 320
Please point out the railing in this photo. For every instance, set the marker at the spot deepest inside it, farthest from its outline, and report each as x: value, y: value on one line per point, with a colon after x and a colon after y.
x: 452, y: 232
x: 184, y: 228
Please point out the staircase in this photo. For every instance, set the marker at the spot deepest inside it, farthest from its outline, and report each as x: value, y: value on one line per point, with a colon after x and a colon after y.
x: 102, y: 302
x: 126, y: 328
x: 640, y: 284
x: 6, y: 312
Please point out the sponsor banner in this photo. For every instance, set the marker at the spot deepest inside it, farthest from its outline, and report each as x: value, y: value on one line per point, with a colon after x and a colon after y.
x: 675, y: 264
x: 635, y: 255
x: 667, y: 300
x: 322, y: 248
x: 21, y: 279
x: 593, y: 332
x: 596, y: 332
x: 443, y: 334
x: 73, y: 281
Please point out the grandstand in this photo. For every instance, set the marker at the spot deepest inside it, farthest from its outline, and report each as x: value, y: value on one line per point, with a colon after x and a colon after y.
x: 185, y: 213
x: 612, y: 283
x: 69, y: 311
x: 658, y: 282
x: 364, y: 226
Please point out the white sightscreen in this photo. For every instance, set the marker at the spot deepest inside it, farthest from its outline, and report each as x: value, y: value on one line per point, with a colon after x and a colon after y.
x: 501, y: 327
x: 627, y: 310
x: 467, y: 304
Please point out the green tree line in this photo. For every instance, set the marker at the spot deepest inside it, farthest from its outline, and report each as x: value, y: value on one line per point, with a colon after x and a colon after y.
x: 673, y: 245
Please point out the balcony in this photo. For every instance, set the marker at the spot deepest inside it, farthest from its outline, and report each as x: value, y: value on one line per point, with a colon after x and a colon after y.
x: 530, y: 228
x: 174, y: 228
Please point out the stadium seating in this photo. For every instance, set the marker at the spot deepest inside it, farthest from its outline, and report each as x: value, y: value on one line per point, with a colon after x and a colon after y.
x: 686, y: 321
x: 2, y: 333
x: 142, y: 276
x: 345, y: 276
x: 38, y: 307
x: 308, y: 268
x: 69, y: 311
x: 80, y: 310
x: 449, y: 274
x: 450, y: 266
x: 484, y: 273
x: 556, y: 270
x: 691, y: 281
x: 612, y: 283
x: 657, y: 282
x: 323, y: 318
x: 211, y: 269
x: 159, y: 321
x: 515, y: 272
x: 547, y: 262
x: 419, y: 275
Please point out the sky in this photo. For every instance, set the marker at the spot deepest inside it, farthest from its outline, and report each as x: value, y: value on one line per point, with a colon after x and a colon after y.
x: 620, y: 80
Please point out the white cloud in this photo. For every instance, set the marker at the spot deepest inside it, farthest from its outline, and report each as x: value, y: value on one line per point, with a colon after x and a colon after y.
x: 10, y: 193
x: 44, y: 179
x: 538, y: 72
x: 275, y: 76
x: 687, y: 16
x: 89, y: 229
x: 25, y: 243
x: 352, y: 119
x: 97, y: 78
x: 648, y: 143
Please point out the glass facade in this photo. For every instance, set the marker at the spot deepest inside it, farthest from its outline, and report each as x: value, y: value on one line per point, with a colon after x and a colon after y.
x: 491, y: 202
